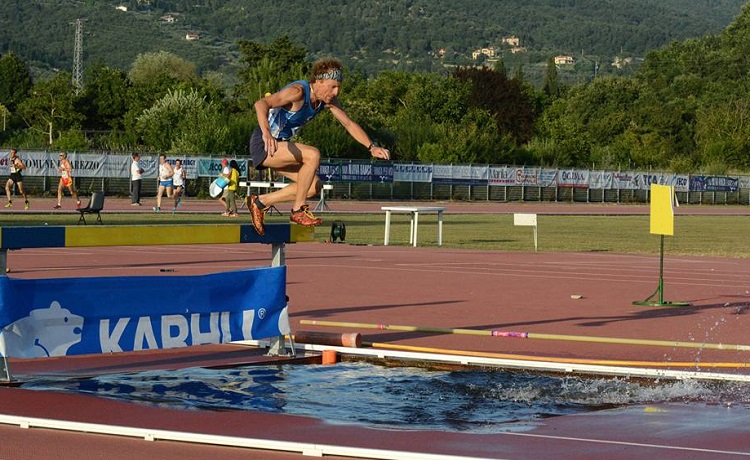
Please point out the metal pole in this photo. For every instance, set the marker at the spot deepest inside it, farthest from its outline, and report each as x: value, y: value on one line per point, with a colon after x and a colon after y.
x: 4, y: 366
x: 277, y: 345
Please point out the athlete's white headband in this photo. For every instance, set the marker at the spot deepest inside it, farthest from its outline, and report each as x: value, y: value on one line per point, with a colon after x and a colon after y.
x: 333, y: 74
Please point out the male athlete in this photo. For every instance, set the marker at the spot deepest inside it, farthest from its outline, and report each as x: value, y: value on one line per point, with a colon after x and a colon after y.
x: 16, y: 166
x: 280, y: 116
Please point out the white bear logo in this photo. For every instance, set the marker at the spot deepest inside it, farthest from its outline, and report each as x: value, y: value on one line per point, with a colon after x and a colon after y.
x: 45, y: 332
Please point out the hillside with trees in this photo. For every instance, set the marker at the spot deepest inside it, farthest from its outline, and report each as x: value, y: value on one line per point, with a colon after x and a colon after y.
x: 414, y: 35
x: 684, y: 109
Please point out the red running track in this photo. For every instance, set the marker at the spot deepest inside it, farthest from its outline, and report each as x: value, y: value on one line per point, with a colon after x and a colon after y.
x: 439, y: 288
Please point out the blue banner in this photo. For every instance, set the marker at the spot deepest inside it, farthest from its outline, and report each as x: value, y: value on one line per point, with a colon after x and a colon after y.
x: 73, y: 316
x: 355, y: 172
x: 713, y: 184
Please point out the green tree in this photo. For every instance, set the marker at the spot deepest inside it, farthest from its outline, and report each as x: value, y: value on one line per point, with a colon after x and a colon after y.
x: 161, y: 67
x: 15, y: 81
x: 104, y: 100
x: 723, y: 134
x: 474, y: 140
x: 267, y: 68
x: 265, y: 77
x: 500, y: 67
x: 506, y: 100
x: 50, y: 108
x: 283, y: 52
x: 441, y: 99
x: 184, y: 122
x: 551, y: 87
x: 4, y: 114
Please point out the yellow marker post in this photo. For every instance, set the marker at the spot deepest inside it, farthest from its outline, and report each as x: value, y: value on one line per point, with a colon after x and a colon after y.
x: 662, y: 224
x: 662, y: 210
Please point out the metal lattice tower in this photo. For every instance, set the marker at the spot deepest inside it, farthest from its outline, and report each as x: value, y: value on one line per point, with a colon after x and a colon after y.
x: 78, y: 57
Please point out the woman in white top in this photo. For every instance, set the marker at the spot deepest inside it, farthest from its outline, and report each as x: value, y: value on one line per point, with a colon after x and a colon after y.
x: 178, y: 182
x: 165, y: 181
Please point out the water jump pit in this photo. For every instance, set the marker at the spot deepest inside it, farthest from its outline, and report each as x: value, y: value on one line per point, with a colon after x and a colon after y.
x: 397, y: 391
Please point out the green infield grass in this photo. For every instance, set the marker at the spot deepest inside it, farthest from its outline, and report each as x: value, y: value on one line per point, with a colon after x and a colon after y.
x: 723, y: 236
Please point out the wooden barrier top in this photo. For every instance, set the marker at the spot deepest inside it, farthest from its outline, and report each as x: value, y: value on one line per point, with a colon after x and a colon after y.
x: 149, y: 235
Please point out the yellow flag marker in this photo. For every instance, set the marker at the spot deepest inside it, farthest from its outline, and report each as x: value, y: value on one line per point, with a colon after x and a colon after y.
x: 662, y: 210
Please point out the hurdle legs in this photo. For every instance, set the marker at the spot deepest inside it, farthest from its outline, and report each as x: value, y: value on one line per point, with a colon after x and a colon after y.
x: 4, y: 366
x: 278, y: 344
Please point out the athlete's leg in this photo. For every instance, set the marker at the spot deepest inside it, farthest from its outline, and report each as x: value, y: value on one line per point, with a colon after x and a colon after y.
x: 298, y: 162
x: 159, y: 193
x: 73, y: 192
x: 59, y: 193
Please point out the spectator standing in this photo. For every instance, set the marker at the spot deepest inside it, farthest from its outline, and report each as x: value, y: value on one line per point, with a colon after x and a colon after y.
x: 136, y: 180
x: 230, y: 194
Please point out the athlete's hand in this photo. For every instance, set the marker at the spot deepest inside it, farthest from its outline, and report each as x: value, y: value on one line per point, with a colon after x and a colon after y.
x: 270, y: 144
x: 380, y: 152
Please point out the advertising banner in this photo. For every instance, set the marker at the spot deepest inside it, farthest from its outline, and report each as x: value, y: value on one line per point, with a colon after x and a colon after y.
x: 528, y: 177
x: 211, y: 167
x: 600, y: 180
x: 502, y: 176
x: 574, y: 178
x: 548, y: 178
x: 46, y: 164
x: 355, y: 172
x: 73, y: 316
x: 644, y: 181
x: 94, y: 165
x: 713, y: 184
x: 460, y: 174
x: 412, y: 173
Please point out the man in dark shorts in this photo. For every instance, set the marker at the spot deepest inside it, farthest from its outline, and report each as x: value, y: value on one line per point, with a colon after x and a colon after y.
x: 280, y: 116
x: 16, y: 166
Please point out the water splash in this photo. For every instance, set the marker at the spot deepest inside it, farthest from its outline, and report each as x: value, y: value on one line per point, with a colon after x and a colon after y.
x: 478, y: 401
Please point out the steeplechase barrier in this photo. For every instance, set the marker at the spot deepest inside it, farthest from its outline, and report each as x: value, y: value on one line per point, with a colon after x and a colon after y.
x: 72, y: 316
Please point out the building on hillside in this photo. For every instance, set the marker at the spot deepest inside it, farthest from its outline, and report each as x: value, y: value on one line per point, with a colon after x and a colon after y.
x: 168, y: 18
x: 622, y: 62
x: 512, y: 41
x: 489, y: 52
x: 121, y: 8
x: 192, y: 36
x: 518, y: 49
x: 559, y: 60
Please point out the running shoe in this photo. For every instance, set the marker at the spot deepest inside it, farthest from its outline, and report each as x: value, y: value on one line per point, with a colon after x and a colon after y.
x: 78, y: 205
x: 257, y: 213
x: 304, y: 217
x: 156, y: 209
x: 26, y: 205
x: 9, y: 204
x: 57, y: 206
